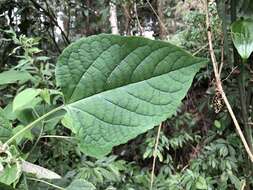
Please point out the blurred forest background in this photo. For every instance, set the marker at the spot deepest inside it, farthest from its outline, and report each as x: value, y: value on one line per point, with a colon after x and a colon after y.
x: 198, y: 147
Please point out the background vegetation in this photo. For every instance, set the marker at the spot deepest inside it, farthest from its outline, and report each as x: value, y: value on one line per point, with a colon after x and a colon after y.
x: 198, y: 147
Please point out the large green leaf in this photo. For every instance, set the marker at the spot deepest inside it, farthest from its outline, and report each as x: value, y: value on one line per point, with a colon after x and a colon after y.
x: 5, y: 127
x: 13, y: 76
x: 81, y: 184
x: 116, y: 87
x: 26, y: 99
x: 242, y: 35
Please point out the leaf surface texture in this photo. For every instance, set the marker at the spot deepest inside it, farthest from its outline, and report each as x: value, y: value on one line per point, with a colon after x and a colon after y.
x: 116, y: 88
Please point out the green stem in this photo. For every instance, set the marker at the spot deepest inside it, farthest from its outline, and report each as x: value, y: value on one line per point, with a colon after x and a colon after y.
x: 43, y: 181
x: 243, y: 95
x: 9, y: 141
x: 57, y: 136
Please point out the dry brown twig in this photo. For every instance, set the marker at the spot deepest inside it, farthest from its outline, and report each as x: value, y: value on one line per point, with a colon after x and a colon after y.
x: 222, y: 53
x: 219, y: 84
x: 154, y: 156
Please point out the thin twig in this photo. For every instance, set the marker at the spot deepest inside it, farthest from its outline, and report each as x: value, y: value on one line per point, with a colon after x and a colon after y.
x: 219, y: 85
x: 243, y: 185
x: 152, y: 8
x: 222, y: 54
x: 53, y: 39
x: 37, y: 141
x: 54, y: 19
x: 230, y: 74
x: 137, y: 18
x: 154, y: 156
x: 200, y: 49
x: 41, y: 9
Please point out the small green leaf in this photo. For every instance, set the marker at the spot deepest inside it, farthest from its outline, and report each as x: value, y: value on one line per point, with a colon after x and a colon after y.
x: 13, y: 76
x: 45, y: 95
x: 116, y: 87
x: 81, y: 184
x: 8, y: 111
x: 5, y: 127
x: 242, y: 35
x: 10, y: 174
x: 27, y: 134
x: 201, y: 183
x: 235, y: 180
x: 67, y: 121
x: 217, y: 124
x: 23, y: 99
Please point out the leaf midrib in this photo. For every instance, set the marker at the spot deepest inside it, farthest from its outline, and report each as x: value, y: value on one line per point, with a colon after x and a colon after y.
x: 175, y: 49
x: 99, y: 94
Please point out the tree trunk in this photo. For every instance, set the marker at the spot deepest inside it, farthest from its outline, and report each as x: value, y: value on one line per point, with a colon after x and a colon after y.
x: 127, y: 17
x: 88, y: 30
x: 162, y: 28
x: 113, y: 18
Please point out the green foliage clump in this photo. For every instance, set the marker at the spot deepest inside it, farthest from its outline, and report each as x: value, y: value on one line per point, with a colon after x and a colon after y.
x: 197, y: 148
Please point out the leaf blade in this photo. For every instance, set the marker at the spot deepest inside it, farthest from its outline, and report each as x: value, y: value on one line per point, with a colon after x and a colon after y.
x: 13, y: 76
x: 81, y: 184
x: 5, y: 127
x: 242, y: 36
x: 38, y: 171
x: 24, y: 98
x: 128, y: 85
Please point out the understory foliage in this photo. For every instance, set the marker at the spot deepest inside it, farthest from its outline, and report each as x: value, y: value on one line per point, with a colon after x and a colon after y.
x: 198, y: 148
